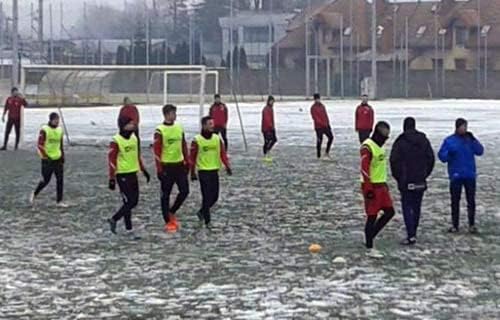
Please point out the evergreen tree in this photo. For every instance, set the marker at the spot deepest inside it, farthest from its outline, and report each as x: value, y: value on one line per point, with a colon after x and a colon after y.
x: 122, y: 56
x: 243, y: 59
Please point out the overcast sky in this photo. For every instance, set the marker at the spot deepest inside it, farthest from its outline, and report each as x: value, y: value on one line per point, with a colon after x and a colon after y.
x: 72, y: 11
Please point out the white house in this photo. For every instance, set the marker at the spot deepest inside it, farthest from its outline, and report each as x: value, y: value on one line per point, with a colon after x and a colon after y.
x: 255, y: 32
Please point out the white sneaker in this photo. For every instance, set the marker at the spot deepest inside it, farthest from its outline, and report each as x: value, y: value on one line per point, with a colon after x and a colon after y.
x: 32, y: 198
x: 62, y: 205
x: 132, y: 235
x: 327, y: 157
x: 374, y: 253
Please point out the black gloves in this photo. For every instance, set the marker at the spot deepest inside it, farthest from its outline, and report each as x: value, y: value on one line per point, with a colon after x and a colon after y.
x: 229, y: 171
x: 147, y: 176
x: 112, y: 184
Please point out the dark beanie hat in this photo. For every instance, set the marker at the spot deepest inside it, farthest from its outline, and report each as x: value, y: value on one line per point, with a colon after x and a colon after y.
x: 460, y: 122
x: 409, y: 124
x: 316, y: 96
x: 270, y: 98
x: 123, y: 121
x: 53, y: 116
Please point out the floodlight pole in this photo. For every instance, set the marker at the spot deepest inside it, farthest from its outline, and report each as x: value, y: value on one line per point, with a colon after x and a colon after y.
x: 374, y: 48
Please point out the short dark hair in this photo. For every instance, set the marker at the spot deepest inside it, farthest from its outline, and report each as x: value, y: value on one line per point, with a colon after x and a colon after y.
x: 205, y: 120
x: 13, y: 89
x: 316, y: 96
x: 53, y: 116
x: 460, y: 122
x: 382, y: 125
x: 169, y: 108
x: 364, y: 95
x: 216, y: 96
x: 269, y: 98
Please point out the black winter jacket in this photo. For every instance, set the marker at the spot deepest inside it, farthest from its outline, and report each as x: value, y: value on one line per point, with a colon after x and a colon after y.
x: 412, y: 160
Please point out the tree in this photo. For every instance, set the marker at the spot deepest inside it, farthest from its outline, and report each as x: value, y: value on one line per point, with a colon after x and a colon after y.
x: 122, y: 56
x: 181, y: 55
x: 228, y: 59
x: 104, y: 21
x: 206, y: 19
x: 243, y: 59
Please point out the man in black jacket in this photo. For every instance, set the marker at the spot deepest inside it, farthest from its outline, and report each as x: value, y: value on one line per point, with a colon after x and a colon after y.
x: 412, y: 161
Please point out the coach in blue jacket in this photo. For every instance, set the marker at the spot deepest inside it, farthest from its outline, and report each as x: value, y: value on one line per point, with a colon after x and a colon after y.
x: 459, y: 151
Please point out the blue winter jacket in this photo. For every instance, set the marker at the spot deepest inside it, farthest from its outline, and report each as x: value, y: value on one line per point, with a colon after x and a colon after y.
x: 459, y: 152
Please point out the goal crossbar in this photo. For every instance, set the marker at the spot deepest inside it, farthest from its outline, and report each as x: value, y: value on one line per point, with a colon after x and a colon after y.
x: 188, y: 72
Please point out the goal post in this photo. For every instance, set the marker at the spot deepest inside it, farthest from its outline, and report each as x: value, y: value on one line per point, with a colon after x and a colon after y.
x: 203, y: 78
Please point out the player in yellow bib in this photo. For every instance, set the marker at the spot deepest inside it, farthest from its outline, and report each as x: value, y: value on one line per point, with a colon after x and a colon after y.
x: 124, y: 161
x: 374, y: 185
x: 207, y: 155
x: 51, y: 151
x: 172, y: 165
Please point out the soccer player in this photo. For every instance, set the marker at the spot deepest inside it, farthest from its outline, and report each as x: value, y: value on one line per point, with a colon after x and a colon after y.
x: 459, y: 151
x: 207, y: 153
x: 14, y: 106
x: 172, y: 165
x: 321, y: 125
x: 268, y: 128
x: 374, y: 185
x: 129, y: 110
x: 124, y: 161
x: 51, y: 151
x: 364, y: 119
x: 218, y: 112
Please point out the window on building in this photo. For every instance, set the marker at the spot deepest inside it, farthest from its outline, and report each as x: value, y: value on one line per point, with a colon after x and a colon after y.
x: 421, y: 31
x: 256, y: 59
x: 257, y: 34
x: 328, y: 36
x: 235, y: 37
x: 461, y: 36
x: 460, y: 64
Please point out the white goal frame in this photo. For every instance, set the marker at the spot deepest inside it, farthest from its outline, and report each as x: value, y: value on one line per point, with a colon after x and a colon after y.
x: 203, y: 78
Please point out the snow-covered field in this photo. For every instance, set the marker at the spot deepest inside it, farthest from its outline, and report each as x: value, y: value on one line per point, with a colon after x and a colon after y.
x: 64, y: 264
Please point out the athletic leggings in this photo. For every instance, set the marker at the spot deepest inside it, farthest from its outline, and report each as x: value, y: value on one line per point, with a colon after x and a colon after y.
x: 209, y: 183
x: 16, y: 123
x: 49, y: 168
x: 269, y: 140
x: 173, y: 174
x: 319, y: 135
x: 223, y: 134
x: 129, y: 189
x: 374, y: 226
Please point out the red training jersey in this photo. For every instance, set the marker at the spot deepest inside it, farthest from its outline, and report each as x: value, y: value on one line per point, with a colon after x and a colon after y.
x: 130, y: 111
x: 14, y: 106
x: 364, y: 117
x: 320, y: 116
x: 267, y: 119
x: 218, y: 112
